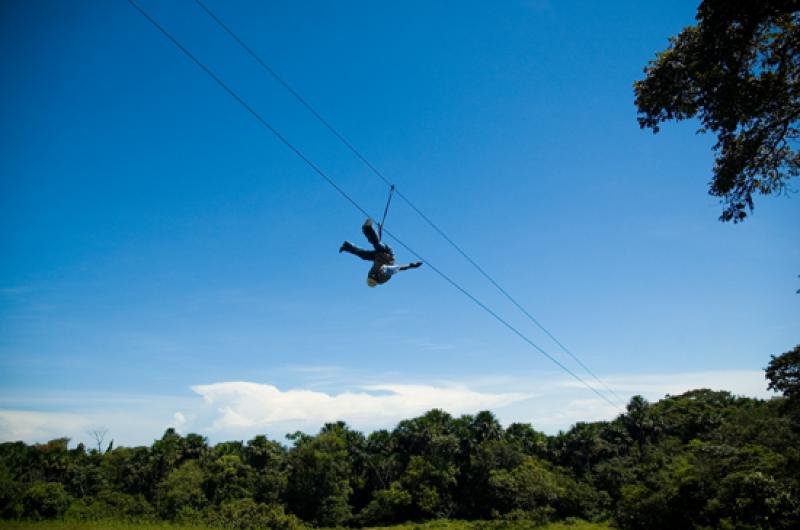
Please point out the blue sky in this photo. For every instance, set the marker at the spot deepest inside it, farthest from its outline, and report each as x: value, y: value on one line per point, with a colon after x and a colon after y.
x: 166, y: 261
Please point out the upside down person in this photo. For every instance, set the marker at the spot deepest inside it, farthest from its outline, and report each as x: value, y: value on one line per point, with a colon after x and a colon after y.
x: 382, y: 257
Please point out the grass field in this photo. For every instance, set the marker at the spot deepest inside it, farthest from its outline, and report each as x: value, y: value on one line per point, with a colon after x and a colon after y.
x: 497, y: 525
x: 433, y: 525
x: 94, y: 525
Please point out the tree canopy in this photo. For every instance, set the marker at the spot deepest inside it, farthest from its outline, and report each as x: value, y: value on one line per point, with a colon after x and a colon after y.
x: 702, y: 459
x: 783, y: 373
x: 738, y: 71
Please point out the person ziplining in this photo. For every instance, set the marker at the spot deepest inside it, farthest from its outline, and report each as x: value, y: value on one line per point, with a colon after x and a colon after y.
x: 382, y: 257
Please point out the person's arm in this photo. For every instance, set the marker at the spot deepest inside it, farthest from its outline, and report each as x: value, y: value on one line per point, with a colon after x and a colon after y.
x: 413, y: 265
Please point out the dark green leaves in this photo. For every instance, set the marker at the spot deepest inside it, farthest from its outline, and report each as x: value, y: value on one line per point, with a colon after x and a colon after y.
x: 738, y: 72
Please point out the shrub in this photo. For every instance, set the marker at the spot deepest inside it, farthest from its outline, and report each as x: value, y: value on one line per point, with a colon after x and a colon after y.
x: 244, y: 514
x: 45, y: 500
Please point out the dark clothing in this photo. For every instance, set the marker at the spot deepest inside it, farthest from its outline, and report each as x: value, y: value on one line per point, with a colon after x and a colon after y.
x: 380, y: 248
x: 377, y: 273
x: 380, y: 256
x: 366, y: 255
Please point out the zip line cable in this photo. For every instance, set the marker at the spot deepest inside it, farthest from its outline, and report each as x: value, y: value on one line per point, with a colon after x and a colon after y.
x: 388, y: 182
x: 352, y: 201
x: 293, y: 92
x: 385, y: 211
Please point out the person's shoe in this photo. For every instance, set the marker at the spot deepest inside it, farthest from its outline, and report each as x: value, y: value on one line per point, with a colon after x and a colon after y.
x: 368, y: 222
x: 415, y: 264
x: 344, y: 247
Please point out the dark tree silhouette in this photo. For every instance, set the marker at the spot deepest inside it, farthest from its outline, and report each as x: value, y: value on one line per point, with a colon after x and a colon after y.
x: 738, y: 72
x: 783, y: 373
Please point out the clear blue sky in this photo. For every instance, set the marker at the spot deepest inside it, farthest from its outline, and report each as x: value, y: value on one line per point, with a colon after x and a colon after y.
x: 166, y: 261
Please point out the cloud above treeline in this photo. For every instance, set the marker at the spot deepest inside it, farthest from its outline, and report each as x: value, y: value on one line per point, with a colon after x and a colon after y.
x: 244, y: 405
x: 38, y: 426
x: 240, y: 409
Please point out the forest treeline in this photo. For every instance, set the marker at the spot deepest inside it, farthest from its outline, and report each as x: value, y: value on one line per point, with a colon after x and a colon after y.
x: 703, y: 459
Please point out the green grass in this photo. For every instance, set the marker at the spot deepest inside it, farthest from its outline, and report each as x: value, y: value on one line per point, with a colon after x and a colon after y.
x: 581, y: 525
x: 432, y: 525
x: 91, y: 525
x: 495, y: 525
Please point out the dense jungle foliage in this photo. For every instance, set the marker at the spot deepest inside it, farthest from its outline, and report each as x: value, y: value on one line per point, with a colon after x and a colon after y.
x: 703, y: 459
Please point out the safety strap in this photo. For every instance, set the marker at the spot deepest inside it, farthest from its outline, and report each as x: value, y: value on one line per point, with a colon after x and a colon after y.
x: 385, y: 211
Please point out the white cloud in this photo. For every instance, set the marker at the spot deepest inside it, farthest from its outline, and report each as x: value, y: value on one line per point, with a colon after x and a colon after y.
x: 39, y: 426
x: 237, y: 410
x: 179, y: 419
x: 130, y: 419
x: 586, y: 410
x: 566, y: 401
x: 248, y: 406
x: 655, y: 386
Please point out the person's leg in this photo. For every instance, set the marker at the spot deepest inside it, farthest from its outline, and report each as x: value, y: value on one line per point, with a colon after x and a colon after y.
x: 367, y: 255
x: 371, y: 236
x: 383, y: 251
x: 384, y: 256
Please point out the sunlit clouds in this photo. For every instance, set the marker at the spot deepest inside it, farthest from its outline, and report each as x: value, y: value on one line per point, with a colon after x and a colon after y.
x: 243, y: 405
x: 241, y: 409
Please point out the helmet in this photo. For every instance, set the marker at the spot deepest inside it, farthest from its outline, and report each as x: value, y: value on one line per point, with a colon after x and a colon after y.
x: 371, y: 281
